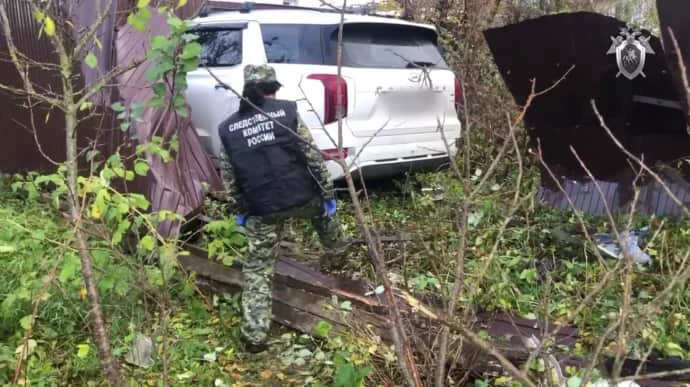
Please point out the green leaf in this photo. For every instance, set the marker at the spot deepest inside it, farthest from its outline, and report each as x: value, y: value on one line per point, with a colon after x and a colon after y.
x: 344, y: 376
x: 7, y: 249
x: 160, y: 88
x: 142, y: 3
x: 574, y: 381
x: 8, y: 302
x: 107, y: 284
x: 673, y: 349
x: 39, y: 16
x: 49, y: 26
x: 157, y: 102
x: 91, y: 60
x: 147, y: 242
x: 82, y: 350
x: 182, y: 111
x: 141, y: 167
x: 118, y: 107
x: 322, y: 328
x: 154, y: 276
x: 153, y: 74
x: 85, y: 105
x: 177, y: 24
x: 160, y: 42
x: 179, y: 101
x: 181, y: 3
x: 70, y: 267
x: 139, y: 201
x: 191, y: 50
x: 137, y: 111
x: 122, y: 227
x: 190, y: 37
x: 25, y: 322
x: 139, y: 19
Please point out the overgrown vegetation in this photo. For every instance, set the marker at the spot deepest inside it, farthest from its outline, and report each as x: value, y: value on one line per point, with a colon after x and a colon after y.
x: 39, y: 265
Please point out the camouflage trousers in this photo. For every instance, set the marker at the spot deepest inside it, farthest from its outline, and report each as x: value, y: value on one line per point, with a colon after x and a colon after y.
x: 263, y: 236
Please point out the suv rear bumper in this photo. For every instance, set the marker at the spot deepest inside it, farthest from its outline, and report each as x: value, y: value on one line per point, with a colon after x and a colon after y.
x: 378, y: 161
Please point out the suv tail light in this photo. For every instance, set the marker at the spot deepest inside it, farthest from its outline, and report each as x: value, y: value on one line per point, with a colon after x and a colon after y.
x: 459, y: 98
x: 332, y: 154
x: 330, y: 97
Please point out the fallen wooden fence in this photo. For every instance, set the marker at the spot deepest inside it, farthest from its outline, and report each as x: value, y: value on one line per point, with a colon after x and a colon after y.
x: 304, y: 296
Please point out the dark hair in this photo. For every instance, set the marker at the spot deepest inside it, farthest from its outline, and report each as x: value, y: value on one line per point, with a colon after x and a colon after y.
x: 255, y: 92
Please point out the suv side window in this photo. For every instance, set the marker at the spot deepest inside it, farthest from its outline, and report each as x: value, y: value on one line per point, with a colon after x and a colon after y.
x: 220, y: 47
x: 292, y: 43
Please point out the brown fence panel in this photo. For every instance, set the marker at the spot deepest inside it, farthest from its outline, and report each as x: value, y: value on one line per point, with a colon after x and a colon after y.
x: 33, y: 133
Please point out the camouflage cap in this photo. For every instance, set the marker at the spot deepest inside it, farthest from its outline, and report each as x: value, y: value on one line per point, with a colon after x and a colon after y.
x: 259, y: 73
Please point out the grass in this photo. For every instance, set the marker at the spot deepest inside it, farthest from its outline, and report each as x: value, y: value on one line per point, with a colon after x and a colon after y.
x: 202, y: 334
x: 512, y: 282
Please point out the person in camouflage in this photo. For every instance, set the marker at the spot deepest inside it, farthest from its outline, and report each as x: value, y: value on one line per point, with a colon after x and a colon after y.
x: 263, y: 227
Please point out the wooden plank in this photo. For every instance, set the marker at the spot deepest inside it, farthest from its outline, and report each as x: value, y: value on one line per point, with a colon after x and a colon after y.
x: 221, y: 278
x: 303, y: 297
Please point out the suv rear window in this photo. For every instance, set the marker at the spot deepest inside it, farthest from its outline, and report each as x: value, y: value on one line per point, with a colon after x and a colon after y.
x: 364, y: 45
x: 387, y: 46
x: 292, y: 43
x: 220, y: 47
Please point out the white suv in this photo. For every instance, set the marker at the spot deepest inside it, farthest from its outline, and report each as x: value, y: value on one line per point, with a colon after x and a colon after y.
x: 386, y: 92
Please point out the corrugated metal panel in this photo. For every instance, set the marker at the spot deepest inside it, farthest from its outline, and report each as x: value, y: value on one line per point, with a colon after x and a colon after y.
x: 19, y: 151
x: 653, y: 198
x: 177, y: 185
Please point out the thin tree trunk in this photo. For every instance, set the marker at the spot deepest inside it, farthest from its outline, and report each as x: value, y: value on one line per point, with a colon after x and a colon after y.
x: 100, y: 334
x: 406, y: 361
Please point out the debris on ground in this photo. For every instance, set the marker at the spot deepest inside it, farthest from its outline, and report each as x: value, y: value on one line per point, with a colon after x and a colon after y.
x: 141, y: 354
x: 608, y: 244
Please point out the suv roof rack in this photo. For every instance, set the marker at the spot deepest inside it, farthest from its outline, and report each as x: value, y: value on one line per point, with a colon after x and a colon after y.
x: 212, y: 7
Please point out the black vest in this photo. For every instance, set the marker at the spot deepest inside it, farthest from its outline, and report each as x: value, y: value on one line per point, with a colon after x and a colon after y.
x: 271, y: 171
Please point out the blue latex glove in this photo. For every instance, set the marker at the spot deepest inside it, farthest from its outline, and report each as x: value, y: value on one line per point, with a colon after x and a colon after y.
x: 329, y: 206
x: 241, y: 220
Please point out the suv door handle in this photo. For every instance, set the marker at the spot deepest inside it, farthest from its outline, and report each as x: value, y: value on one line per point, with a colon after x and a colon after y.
x: 220, y: 86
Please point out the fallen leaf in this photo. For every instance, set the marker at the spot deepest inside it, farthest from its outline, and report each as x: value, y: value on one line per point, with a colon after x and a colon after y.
x: 266, y: 374
x: 82, y: 350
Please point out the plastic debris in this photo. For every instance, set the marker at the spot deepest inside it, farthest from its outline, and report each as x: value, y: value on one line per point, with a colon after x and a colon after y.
x: 605, y: 383
x: 437, y: 193
x: 609, y: 245
x: 141, y: 354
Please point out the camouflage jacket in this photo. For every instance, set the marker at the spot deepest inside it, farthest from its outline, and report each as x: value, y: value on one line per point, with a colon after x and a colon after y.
x: 314, y: 162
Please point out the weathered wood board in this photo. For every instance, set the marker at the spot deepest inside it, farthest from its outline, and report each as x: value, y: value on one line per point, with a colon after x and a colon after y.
x: 304, y: 296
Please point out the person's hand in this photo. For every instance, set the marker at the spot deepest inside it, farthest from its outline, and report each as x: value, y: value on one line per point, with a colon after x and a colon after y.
x: 329, y: 205
x: 241, y: 220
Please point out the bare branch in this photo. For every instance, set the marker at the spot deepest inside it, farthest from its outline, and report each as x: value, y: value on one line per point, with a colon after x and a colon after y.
x: 90, y: 34
x: 681, y: 66
x: 23, y: 72
x: 98, y: 86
